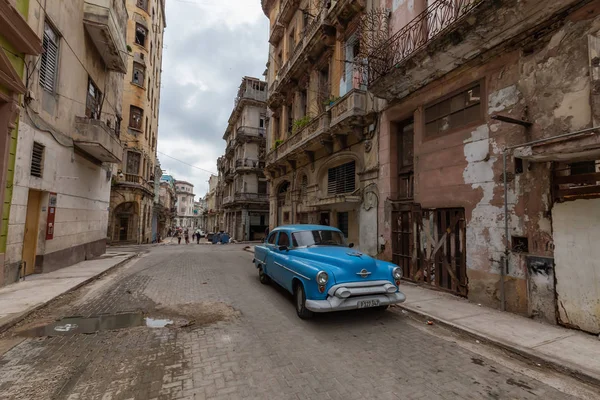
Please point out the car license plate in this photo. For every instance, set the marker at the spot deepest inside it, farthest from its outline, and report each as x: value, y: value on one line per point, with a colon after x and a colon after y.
x: 368, y: 303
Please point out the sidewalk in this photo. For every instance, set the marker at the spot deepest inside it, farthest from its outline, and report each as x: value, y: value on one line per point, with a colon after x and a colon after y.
x: 22, y: 298
x: 568, y: 350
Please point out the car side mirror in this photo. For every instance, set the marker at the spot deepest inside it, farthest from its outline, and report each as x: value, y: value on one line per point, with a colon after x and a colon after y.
x: 351, y: 245
x: 283, y: 248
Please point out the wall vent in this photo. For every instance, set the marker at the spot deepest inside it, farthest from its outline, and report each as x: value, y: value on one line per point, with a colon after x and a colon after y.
x: 37, y: 159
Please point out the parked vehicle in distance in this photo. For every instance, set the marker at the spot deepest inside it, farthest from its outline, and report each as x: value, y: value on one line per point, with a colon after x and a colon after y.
x: 323, y: 272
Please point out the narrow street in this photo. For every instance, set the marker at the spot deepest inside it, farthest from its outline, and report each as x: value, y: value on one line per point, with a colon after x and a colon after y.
x: 232, y: 338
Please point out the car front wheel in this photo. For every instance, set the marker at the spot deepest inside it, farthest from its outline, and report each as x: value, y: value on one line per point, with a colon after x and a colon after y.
x: 264, y: 278
x: 300, y: 300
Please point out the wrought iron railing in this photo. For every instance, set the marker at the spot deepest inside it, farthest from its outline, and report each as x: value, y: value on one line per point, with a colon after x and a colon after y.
x: 425, y: 27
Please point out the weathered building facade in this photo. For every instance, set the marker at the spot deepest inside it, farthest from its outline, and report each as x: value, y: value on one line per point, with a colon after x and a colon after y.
x: 17, y: 39
x: 68, y: 138
x: 133, y: 217
x: 488, y: 172
x: 322, y: 131
x: 245, y: 202
x: 185, y: 204
x: 213, y: 203
x: 168, y: 203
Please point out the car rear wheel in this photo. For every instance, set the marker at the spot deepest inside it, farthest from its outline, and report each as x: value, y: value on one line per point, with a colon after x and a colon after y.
x: 300, y: 300
x: 264, y: 278
x: 382, y: 308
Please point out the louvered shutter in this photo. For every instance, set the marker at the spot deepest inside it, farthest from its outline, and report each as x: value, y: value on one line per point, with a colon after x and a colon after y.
x: 37, y: 160
x: 49, y: 62
x: 341, y: 179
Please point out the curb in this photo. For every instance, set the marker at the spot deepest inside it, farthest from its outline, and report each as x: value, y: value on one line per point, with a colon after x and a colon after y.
x: 530, y: 354
x: 18, y: 318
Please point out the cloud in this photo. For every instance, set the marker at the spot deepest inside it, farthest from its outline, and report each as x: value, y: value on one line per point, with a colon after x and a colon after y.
x: 209, y: 46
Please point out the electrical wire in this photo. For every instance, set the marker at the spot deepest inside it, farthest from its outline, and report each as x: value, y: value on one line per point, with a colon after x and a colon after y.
x: 190, y: 165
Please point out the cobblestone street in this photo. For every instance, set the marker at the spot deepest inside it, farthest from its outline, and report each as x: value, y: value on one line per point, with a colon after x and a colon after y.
x: 235, y: 338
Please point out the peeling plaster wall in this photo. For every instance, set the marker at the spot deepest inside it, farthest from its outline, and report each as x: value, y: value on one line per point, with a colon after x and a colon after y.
x: 548, y: 84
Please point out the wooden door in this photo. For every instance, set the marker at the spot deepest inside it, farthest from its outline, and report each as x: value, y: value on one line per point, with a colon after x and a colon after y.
x: 31, y: 230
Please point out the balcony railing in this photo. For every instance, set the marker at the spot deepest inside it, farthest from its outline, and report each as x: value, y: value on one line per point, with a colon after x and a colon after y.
x: 349, y: 108
x: 249, y: 163
x: 134, y: 179
x: 428, y: 25
x: 276, y: 32
x: 244, y: 197
x: 306, y: 137
x: 346, y: 8
x: 288, y: 9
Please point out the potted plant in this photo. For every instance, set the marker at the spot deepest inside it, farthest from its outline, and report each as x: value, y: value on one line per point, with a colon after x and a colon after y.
x: 300, y: 123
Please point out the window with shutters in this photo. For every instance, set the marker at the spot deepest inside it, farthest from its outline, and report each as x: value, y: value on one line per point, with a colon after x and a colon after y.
x: 341, y: 179
x: 133, y: 162
x: 37, y: 160
x: 139, y: 74
x: 93, y: 101
x: 136, y: 115
x: 49, y: 61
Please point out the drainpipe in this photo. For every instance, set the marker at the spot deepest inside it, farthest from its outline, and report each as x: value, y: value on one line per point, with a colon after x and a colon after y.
x: 504, y: 268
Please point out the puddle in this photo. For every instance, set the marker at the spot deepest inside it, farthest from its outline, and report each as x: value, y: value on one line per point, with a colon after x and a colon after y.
x: 78, y: 325
x: 157, y: 323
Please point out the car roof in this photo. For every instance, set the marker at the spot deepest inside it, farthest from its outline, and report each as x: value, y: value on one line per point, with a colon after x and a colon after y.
x: 305, y: 227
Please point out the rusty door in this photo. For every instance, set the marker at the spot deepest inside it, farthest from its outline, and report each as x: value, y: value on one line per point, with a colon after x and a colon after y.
x: 429, y: 245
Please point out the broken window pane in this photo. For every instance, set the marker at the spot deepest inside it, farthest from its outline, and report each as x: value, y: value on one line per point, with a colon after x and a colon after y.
x: 139, y: 72
x: 455, y: 112
x: 92, y: 104
x: 140, y: 35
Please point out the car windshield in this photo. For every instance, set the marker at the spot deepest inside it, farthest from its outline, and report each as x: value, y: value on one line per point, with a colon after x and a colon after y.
x: 318, y: 238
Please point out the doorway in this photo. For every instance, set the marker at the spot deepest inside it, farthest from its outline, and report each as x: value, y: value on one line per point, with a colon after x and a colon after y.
x: 31, y: 230
x: 123, y: 228
x: 324, y: 219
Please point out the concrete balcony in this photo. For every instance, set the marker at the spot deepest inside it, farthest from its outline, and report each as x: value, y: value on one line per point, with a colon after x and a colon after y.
x: 447, y: 35
x: 135, y: 181
x: 307, y: 139
x: 248, y: 164
x: 349, y: 111
x: 250, y: 134
x: 318, y: 35
x: 244, y: 198
x: 288, y: 9
x: 106, y: 23
x: 97, y: 139
x: 276, y: 32
x: 342, y: 11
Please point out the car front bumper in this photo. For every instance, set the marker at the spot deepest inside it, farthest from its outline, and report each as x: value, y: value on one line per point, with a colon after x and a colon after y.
x: 337, y: 304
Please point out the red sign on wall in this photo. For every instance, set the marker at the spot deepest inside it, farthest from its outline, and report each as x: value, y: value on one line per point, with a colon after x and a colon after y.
x: 51, y: 216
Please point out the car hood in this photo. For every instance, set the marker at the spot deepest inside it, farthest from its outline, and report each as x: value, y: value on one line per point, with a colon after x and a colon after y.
x: 345, y: 264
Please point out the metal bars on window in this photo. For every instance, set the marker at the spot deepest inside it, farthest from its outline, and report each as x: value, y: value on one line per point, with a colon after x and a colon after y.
x: 341, y: 179
x: 37, y: 160
x: 49, y: 61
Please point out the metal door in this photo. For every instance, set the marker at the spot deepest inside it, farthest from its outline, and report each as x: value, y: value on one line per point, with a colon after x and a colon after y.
x: 429, y: 245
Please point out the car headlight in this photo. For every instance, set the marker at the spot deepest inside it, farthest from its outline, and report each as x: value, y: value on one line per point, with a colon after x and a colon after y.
x: 397, y: 273
x: 322, y: 278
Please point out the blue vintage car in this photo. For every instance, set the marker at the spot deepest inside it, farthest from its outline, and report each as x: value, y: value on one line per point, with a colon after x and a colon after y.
x: 314, y: 263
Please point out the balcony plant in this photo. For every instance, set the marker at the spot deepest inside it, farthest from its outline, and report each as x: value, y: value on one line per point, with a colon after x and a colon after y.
x: 300, y: 123
x: 330, y: 101
x: 277, y: 143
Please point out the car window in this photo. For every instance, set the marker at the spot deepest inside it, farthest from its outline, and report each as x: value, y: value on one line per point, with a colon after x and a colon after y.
x: 318, y: 238
x: 283, y: 240
x: 271, y: 239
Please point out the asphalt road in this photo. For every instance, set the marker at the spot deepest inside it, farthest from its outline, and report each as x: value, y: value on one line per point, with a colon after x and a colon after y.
x: 232, y: 337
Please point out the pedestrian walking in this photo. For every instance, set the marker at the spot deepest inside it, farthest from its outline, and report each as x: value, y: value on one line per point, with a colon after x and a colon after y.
x: 178, y: 236
x: 186, y: 235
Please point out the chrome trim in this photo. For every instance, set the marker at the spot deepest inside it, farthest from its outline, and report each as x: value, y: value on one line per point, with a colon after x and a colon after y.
x: 337, y: 304
x: 261, y: 262
x: 332, y: 289
x: 292, y: 271
x: 363, y: 273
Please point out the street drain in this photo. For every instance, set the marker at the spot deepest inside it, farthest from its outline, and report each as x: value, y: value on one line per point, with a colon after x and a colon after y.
x: 77, y: 325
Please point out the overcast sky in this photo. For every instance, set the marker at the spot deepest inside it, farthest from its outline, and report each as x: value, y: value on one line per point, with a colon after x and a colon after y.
x: 209, y: 46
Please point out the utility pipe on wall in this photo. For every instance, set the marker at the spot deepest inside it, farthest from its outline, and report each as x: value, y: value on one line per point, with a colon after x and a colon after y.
x: 504, y: 269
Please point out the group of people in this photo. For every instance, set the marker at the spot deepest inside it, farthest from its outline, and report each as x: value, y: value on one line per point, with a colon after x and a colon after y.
x: 185, y: 233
